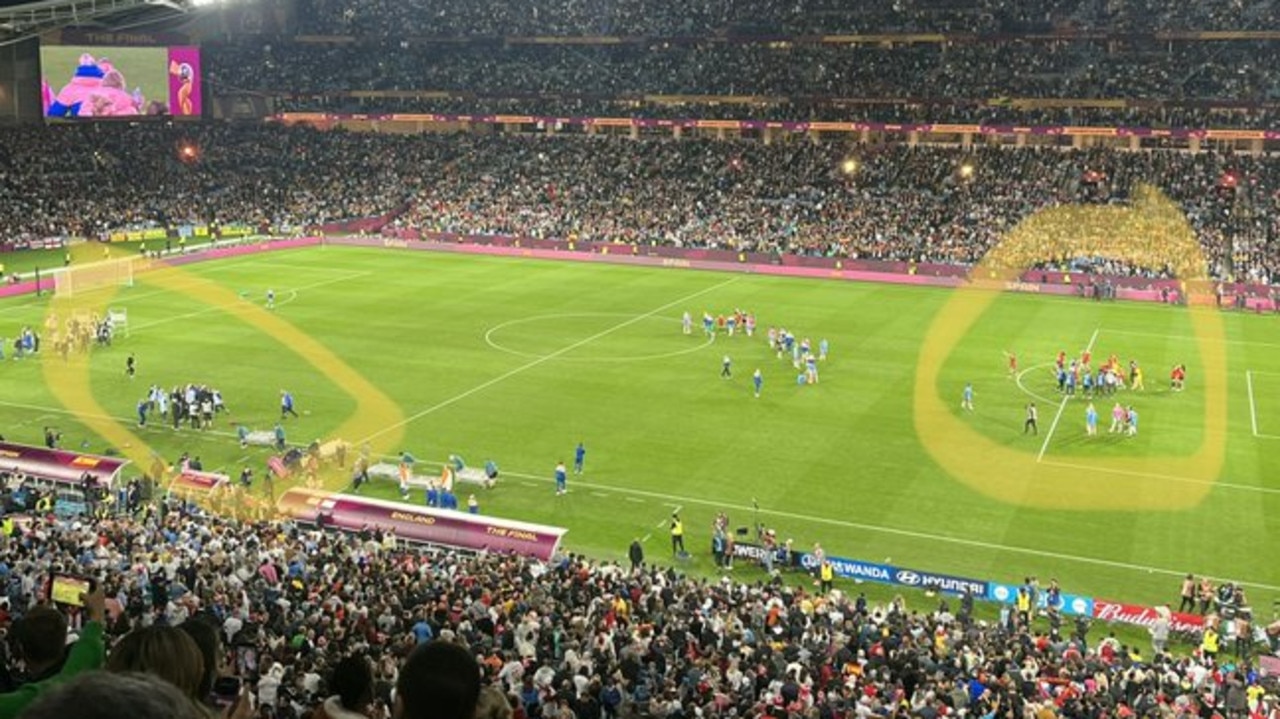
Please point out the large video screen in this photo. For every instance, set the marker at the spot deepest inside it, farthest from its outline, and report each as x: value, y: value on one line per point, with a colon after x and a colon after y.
x: 106, y: 82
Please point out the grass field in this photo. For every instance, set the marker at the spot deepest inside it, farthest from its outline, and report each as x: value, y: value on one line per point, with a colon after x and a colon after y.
x: 519, y: 360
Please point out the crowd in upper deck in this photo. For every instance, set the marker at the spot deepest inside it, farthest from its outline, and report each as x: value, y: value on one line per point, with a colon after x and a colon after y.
x: 889, y: 201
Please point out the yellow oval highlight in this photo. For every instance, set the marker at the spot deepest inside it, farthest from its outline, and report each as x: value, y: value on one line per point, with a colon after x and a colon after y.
x: 1152, y: 232
x: 70, y: 380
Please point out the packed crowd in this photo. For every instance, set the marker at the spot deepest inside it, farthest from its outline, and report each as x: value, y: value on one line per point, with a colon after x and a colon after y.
x: 87, y: 180
x: 320, y: 624
x: 892, y: 202
x: 702, y: 17
x: 886, y: 202
x: 1236, y: 71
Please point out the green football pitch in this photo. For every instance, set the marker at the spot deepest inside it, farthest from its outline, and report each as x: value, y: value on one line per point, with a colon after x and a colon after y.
x: 519, y: 360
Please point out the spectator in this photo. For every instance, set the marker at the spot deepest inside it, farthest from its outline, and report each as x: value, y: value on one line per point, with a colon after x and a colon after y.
x: 166, y: 652
x: 40, y: 641
x: 85, y: 655
x: 440, y: 680
x: 352, y: 684
x: 493, y: 704
x: 104, y: 695
x: 206, y: 638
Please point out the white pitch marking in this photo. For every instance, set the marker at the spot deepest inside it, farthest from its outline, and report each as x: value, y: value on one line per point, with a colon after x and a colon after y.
x: 536, y: 362
x: 1253, y: 407
x: 1066, y: 398
x: 896, y: 531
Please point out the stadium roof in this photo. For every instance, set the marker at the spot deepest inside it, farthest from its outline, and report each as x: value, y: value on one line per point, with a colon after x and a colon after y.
x: 22, y: 20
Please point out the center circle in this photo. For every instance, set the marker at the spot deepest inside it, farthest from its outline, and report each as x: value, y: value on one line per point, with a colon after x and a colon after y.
x: 595, y: 329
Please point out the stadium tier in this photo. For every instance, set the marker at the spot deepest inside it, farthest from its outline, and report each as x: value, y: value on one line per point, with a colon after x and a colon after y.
x: 887, y: 201
x: 807, y: 72
x: 657, y: 18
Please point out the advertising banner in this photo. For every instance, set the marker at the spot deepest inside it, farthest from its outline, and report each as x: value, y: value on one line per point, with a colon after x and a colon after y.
x: 422, y: 524
x: 1070, y: 604
x: 192, y: 481
x: 1109, y: 611
x: 901, y: 128
x: 874, y: 572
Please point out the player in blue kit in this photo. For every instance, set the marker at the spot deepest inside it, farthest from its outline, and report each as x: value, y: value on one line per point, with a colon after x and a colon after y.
x: 579, y: 456
x: 758, y: 380
x: 966, y: 398
x: 562, y: 479
x: 708, y: 324
x: 1086, y: 382
x: 286, y: 404
x: 823, y: 347
x: 1091, y: 420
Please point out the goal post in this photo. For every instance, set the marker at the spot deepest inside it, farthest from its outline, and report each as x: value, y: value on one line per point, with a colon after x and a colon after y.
x: 80, y: 279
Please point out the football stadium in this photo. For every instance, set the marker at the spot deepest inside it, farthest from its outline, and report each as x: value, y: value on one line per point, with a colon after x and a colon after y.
x: 477, y: 358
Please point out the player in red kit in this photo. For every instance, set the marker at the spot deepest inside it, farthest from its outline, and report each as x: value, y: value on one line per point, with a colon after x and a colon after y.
x: 1013, y: 362
x: 1062, y: 359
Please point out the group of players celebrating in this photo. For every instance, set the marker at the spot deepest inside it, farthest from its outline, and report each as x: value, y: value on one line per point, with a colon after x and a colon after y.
x: 801, y: 353
x: 1078, y: 374
x: 1111, y: 376
x: 77, y: 334
x: 736, y: 322
x: 195, y: 404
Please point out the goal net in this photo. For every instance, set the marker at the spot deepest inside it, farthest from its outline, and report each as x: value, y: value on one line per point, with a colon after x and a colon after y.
x: 80, y: 279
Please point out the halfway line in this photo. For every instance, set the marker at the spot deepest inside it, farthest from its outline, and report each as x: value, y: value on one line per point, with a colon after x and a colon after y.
x: 1044, y: 447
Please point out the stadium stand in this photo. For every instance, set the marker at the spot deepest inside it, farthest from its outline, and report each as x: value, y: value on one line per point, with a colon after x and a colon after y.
x: 704, y: 17
x: 902, y: 203
x: 575, y: 638
x: 1083, y: 70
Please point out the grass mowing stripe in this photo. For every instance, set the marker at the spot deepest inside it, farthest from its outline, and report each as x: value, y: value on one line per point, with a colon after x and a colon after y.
x: 534, y: 363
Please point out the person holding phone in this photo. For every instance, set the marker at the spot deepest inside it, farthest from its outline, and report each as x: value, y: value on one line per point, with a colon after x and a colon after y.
x: 88, y: 653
